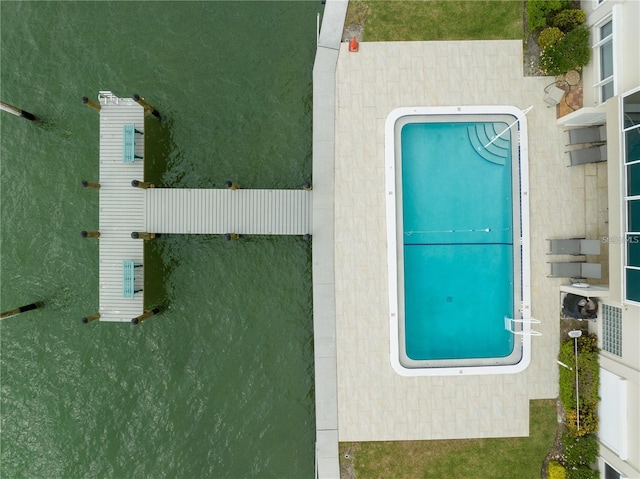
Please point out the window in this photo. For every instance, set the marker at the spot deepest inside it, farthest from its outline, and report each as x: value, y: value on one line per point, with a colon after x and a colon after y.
x: 612, y: 329
x: 610, y: 472
x: 631, y: 157
x: 603, y: 51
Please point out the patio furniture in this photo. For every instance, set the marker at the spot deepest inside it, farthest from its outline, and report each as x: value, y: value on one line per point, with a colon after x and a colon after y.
x: 574, y: 246
x: 593, y: 154
x: 575, y: 269
x: 591, y: 134
x: 553, y: 95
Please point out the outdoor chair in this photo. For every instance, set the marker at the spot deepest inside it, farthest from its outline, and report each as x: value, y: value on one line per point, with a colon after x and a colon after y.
x: 576, y: 270
x: 574, y: 246
x: 593, y: 154
x: 591, y: 134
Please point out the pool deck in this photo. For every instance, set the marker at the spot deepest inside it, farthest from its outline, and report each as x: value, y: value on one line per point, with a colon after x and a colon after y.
x: 374, y: 403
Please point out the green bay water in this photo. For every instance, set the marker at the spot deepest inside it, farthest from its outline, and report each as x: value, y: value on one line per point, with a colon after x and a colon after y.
x: 220, y: 385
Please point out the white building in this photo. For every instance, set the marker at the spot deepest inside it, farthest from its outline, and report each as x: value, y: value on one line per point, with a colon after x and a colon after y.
x: 611, y: 84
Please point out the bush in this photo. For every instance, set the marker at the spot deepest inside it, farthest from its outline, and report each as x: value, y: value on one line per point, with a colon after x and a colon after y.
x: 569, y: 19
x: 556, y: 471
x: 567, y: 377
x: 582, y: 473
x: 588, y: 383
x: 540, y: 12
x: 580, y: 451
x: 588, y: 420
x: 549, y: 36
x: 588, y: 344
x: 572, y: 52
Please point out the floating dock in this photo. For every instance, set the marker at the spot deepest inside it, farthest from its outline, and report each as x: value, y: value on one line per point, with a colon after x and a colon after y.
x: 125, y: 209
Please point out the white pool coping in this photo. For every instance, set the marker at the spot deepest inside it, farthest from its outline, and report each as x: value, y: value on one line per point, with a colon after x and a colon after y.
x: 395, y: 316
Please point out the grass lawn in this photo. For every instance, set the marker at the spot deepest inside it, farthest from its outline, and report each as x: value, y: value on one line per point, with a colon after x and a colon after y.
x: 422, y: 20
x: 506, y: 458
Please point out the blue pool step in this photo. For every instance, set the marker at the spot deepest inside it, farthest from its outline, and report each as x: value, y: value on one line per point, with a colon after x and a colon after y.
x: 482, y: 134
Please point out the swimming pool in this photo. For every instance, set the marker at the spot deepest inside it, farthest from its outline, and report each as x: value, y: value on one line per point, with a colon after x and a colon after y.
x: 458, y: 240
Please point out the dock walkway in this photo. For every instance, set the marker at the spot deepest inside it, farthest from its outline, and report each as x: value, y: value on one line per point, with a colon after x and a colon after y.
x: 221, y: 211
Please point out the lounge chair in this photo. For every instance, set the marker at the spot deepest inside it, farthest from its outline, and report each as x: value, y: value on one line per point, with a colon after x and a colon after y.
x: 574, y: 246
x: 593, y: 154
x: 576, y: 270
x: 591, y: 134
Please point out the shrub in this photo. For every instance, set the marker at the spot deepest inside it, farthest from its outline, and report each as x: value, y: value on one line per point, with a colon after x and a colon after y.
x: 567, y: 378
x: 588, y: 420
x: 579, y: 454
x: 549, y: 36
x: 572, y: 52
x: 569, y: 19
x: 556, y: 471
x: 583, y: 472
x: 588, y: 343
x: 539, y: 12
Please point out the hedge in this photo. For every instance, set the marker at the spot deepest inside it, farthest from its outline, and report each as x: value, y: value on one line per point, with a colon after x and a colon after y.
x: 571, y: 52
x: 540, y: 12
x: 569, y: 19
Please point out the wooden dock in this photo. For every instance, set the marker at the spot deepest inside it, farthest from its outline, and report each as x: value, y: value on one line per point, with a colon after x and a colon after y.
x: 121, y: 207
x: 125, y: 209
x: 221, y: 211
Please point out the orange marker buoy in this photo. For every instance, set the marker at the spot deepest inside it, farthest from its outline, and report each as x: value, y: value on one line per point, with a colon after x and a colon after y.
x: 353, y: 45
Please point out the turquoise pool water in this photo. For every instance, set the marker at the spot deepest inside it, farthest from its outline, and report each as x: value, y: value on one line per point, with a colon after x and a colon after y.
x: 457, y: 211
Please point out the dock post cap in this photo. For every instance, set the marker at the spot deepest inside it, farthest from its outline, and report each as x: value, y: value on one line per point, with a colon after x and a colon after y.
x: 92, y: 317
x: 135, y: 183
x: 135, y: 235
x: 135, y: 97
x: 307, y: 237
x: 90, y: 184
x: 85, y: 99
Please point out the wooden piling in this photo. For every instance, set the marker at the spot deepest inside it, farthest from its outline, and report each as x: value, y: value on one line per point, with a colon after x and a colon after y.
x: 91, y: 103
x: 17, y: 111
x: 232, y: 186
x: 142, y: 184
x: 14, y: 110
x: 144, y: 236
x: 93, y: 317
x: 90, y: 184
x: 147, y: 314
x: 232, y: 236
x: 90, y: 234
x: 22, y: 309
x: 307, y: 186
x: 147, y: 108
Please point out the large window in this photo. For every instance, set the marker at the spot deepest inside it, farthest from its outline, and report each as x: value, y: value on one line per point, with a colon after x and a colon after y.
x: 631, y: 157
x: 603, y: 52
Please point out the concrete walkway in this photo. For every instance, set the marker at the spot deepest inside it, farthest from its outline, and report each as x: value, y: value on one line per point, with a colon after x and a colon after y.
x: 324, y: 326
